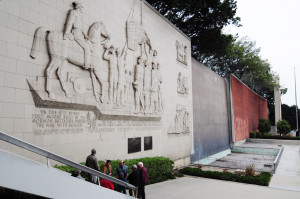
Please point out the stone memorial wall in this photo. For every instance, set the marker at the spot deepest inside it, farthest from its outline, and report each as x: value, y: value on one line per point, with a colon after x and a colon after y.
x: 248, y: 107
x: 211, y: 113
x: 110, y: 75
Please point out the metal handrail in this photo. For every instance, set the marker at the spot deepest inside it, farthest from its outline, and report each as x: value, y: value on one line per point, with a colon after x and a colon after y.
x: 50, y: 155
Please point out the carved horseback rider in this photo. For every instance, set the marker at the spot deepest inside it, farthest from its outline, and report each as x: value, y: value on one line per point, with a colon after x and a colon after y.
x: 74, y: 25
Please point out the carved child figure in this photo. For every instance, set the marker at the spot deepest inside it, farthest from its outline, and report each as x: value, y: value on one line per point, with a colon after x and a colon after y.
x: 110, y: 55
x: 139, y: 85
x: 74, y: 25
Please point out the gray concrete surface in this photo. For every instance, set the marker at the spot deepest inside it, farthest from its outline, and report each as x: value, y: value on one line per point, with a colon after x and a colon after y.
x: 242, y: 160
x: 287, y: 175
x: 19, y: 173
x: 211, y: 133
x: 190, y: 188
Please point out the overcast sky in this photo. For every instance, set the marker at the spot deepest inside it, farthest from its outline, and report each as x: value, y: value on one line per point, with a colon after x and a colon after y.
x: 275, y: 27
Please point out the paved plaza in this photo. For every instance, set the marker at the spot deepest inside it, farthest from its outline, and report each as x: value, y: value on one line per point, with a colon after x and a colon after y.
x: 287, y: 175
x: 285, y: 183
x: 190, y: 188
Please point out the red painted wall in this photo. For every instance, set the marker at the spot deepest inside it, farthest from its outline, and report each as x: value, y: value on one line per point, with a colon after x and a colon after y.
x: 248, y: 107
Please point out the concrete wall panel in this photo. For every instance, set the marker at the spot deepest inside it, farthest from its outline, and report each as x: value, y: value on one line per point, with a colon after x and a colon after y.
x: 211, y: 133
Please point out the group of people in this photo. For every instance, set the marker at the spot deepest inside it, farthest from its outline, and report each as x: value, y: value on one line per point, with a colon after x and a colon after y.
x: 137, y: 177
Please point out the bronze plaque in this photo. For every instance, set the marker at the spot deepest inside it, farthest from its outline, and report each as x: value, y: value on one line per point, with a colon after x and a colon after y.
x: 134, y: 145
x: 147, y: 143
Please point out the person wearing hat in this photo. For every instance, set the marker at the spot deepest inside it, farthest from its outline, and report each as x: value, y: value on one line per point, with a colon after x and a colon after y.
x: 134, y: 179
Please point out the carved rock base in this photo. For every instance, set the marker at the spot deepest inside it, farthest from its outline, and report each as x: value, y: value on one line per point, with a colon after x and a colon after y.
x: 84, y: 102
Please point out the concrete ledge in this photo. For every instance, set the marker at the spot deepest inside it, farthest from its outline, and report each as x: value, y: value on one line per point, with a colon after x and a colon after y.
x: 212, y: 158
x: 273, y: 141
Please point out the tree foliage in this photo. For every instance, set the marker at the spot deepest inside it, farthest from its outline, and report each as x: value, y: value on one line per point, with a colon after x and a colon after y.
x: 289, y: 114
x: 264, y: 125
x: 202, y: 21
x: 243, y: 60
x: 283, y: 127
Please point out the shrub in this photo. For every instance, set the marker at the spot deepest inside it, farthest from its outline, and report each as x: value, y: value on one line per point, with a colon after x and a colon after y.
x: 252, y: 135
x: 283, y: 127
x: 279, y: 137
x: 264, y: 125
x: 250, y: 170
x: 159, y: 168
x: 259, y: 135
x: 261, y: 179
x: 178, y: 175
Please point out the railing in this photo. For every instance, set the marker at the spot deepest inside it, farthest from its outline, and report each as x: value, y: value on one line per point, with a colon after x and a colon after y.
x: 50, y: 155
x: 276, y: 161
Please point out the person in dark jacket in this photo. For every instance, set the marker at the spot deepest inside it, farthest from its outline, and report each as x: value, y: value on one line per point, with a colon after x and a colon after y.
x: 134, y: 179
x: 92, y: 162
x: 143, y: 179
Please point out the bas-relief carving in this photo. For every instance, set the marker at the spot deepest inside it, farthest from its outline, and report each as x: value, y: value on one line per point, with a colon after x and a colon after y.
x: 181, y: 122
x: 182, y: 84
x: 181, y: 52
x: 131, y: 93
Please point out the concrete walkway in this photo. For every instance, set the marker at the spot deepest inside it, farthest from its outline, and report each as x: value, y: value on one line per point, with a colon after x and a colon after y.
x: 287, y: 175
x: 196, y: 188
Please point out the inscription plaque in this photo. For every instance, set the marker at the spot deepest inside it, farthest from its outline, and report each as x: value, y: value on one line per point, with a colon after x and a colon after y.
x: 147, y: 143
x: 134, y: 145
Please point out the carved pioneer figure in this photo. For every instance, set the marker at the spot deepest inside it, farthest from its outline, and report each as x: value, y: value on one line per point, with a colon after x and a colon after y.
x: 74, y: 25
x: 147, y: 86
x: 181, y: 52
x: 121, y: 58
x: 62, y: 50
x: 139, y: 85
x: 160, y: 99
x: 182, y: 84
x: 154, y: 88
x: 186, y: 122
x: 128, y: 86
x: 110, y: 55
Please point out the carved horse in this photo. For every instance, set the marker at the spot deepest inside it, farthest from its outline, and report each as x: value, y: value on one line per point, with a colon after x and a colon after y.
x: 62, y: 51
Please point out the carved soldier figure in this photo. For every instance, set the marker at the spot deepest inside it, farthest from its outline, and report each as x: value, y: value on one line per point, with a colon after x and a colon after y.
x: 121, y: 58
x: 110, y: 55
x: 138, y: 85
x: 74, y: 25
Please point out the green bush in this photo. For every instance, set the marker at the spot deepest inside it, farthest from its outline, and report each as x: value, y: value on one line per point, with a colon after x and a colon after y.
x: 279, y: 137
x: 178, y: 175
x: 259, y: 135
x: 252, y: 134
x: 264, y: 125
x: 262, y: 179
x: 283, y: 127
x: 159, y: 168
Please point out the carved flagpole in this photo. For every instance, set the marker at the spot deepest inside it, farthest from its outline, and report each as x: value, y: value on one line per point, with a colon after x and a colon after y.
x: 142, y: 1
